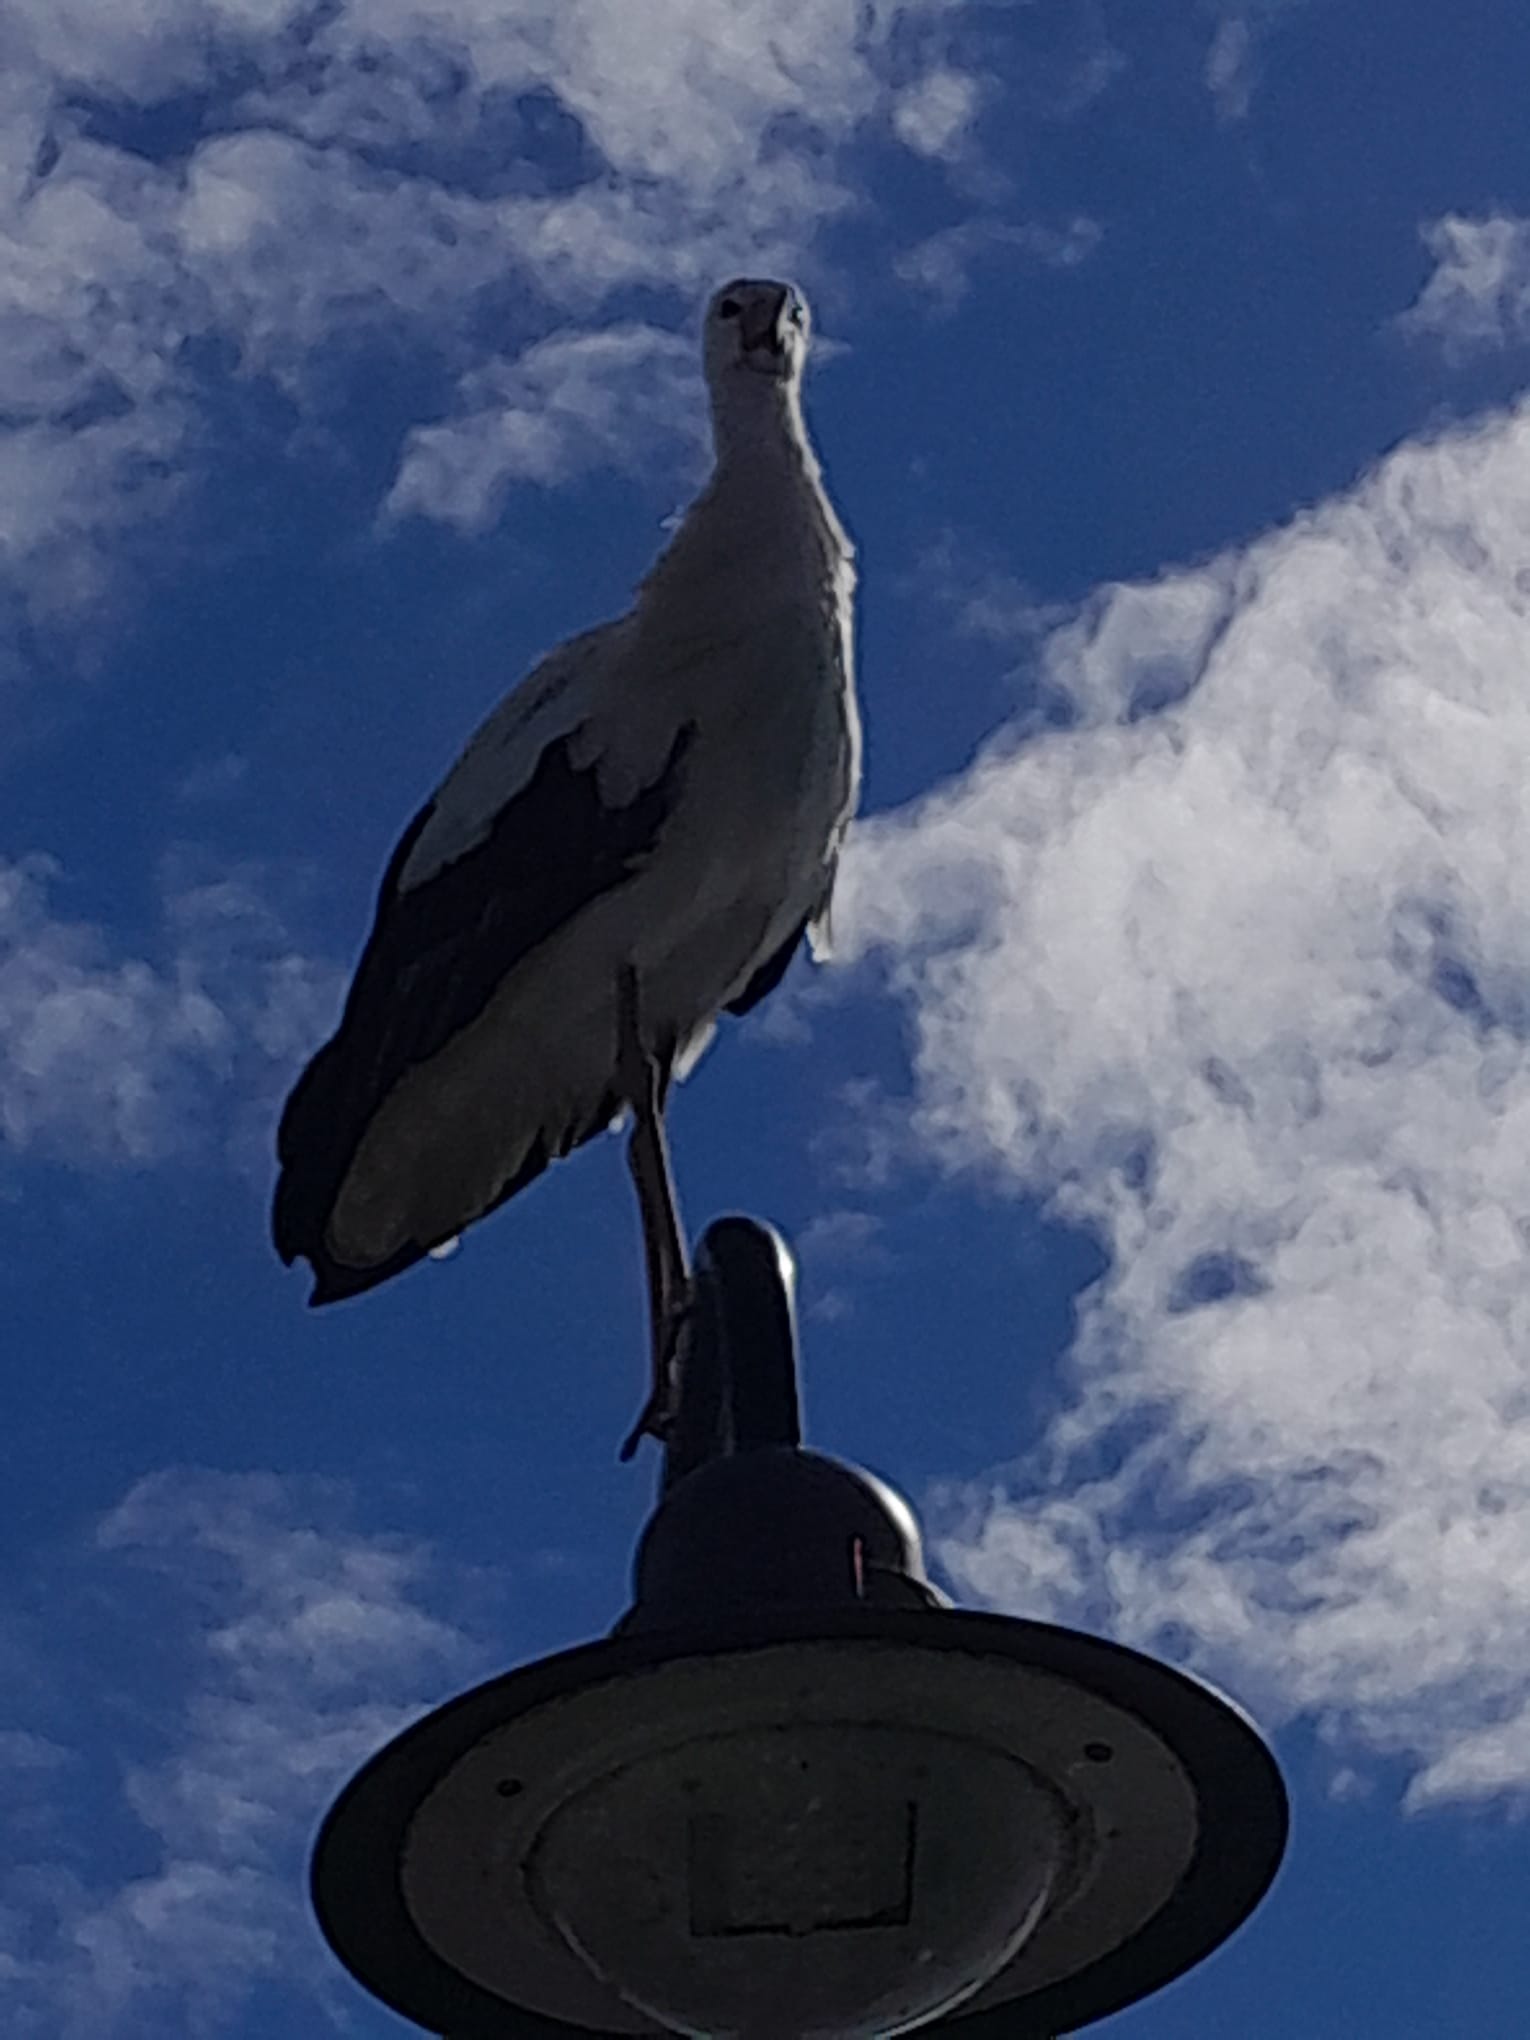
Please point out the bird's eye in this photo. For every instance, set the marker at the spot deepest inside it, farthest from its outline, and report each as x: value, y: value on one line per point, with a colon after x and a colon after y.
x: 796, y: 314
x: 729, y: 308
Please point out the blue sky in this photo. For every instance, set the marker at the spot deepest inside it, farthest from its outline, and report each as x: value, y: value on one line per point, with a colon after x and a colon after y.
x: 1156, y: 1153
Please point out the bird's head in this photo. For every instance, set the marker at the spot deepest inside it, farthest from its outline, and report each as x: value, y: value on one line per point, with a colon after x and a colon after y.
x: 755, y: 328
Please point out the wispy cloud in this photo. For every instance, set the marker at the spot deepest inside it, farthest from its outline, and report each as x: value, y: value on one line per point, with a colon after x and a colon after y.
x: 573, y: 402
x: 108, y: 1059
x: 943, y: 264
x: 984, y: 600
x: 1236, y: 971
x: 288, y: 1645
x: 1232, y: 68
x: 833, y: 1249
x: 934, y: 115
x: 1478, y: 297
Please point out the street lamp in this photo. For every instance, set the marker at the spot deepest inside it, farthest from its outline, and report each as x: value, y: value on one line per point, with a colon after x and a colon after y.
x: 796, y: 1793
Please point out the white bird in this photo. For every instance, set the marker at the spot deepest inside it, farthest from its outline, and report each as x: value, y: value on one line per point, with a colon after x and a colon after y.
x: 636, y: 840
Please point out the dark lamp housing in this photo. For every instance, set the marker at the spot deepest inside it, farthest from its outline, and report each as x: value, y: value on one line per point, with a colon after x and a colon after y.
x: 796, y: 1794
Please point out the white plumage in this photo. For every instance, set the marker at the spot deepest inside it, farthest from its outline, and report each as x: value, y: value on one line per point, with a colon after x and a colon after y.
x: 653, y: 816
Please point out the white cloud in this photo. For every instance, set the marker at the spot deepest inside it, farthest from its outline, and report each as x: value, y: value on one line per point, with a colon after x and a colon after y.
x: 935, y: 114
x: 1229, y: 67
x: 1237, y: 971
x: 109, y: 1060
x: 1479, y: 294
x: 985, y: 600
x: 573, y: 402
x: 292, y: 245
x: 144, y: 49
x: 93, y: 311
x: 942, y: 264
x: 683, y: 93
x: 289, y: 1645
x: 832, y: 1247
x: 1232, y: 69
x: 24, y: 1754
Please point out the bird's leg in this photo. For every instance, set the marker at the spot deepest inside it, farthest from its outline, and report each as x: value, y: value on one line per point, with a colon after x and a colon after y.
x: 643, y: 1083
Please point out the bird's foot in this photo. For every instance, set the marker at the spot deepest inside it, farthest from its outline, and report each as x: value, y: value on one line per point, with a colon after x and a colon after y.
x: 657, y: 1417
x: 655, y: 1420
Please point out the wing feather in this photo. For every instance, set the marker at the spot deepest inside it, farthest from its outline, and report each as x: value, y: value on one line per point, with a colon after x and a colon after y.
x: 555, y: 700
x: 441, y: 947
x: 768, y: 975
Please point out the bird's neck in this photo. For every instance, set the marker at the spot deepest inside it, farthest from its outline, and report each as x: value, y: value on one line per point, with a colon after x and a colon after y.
x: 767, y: 470
x: 761, y: 520
x: 757, y: 423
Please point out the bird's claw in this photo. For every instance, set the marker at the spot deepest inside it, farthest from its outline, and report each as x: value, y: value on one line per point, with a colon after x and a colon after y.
x: 654, y: 1421
x: 657, y: 1417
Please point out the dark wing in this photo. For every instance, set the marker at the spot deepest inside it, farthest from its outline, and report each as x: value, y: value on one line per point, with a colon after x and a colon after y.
x: 437, y: 953
x: 770, y: 972
x: 774, y: 967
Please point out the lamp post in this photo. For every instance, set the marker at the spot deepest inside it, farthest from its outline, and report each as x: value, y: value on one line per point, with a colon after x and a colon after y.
x: 796, y: 1793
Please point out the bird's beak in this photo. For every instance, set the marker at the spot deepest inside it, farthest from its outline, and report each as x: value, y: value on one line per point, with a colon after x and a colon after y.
x: 764, y: 326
